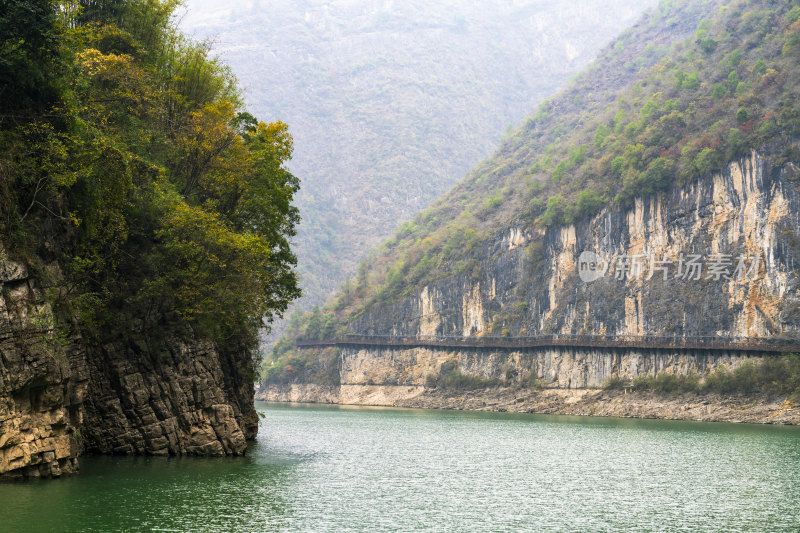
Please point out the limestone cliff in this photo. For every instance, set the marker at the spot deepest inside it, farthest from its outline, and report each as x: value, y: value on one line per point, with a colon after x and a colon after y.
x: 529, y: 284
x: 61, y: 397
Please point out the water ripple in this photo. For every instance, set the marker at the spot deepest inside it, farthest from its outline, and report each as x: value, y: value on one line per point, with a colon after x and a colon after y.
x: 366, y: 470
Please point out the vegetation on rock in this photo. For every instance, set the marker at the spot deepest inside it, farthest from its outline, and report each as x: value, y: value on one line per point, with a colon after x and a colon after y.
x: 133, y: 180
x: 450, y: 378
x: 311, y: 366
x: 771, y: 375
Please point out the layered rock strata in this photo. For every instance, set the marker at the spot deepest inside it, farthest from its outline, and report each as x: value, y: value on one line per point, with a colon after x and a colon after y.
x: 61, y: 396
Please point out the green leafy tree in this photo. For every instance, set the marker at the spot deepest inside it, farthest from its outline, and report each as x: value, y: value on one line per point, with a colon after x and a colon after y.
x: 315, y: 324
x: 32, y: 50
x: 589, y: 202
x: 555, y: 212
x: 127, y: 151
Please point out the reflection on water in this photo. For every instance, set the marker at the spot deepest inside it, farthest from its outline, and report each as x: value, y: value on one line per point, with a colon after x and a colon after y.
x: 356, y: 469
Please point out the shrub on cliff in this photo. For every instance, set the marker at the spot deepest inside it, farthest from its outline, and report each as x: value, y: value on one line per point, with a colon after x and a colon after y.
x: 667, y: 383
x: 771, y: 375
x: 320, y: 367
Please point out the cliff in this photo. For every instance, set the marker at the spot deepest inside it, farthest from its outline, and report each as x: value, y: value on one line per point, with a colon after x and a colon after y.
x: 63, y: 397
x: 655, y: 196
x: 527, y: 288
x: 529, y: 282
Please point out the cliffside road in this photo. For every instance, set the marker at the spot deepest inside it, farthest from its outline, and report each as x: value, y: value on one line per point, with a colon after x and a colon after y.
x: 569, y: 373
x: 760, y: 345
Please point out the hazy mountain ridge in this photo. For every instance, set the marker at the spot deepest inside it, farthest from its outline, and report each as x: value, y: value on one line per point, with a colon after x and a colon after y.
x: 445, y: 238
x: 391, y: 103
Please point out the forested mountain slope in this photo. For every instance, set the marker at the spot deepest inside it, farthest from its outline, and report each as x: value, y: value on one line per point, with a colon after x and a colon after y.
x: 390, y: 103
x: 693, y: 155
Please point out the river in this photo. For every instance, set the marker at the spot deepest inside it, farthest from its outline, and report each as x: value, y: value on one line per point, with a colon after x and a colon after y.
x: 362, y: 469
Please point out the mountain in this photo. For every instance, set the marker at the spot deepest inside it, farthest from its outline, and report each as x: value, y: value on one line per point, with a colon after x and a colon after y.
x: 671, y: 161
x: 390, y: 103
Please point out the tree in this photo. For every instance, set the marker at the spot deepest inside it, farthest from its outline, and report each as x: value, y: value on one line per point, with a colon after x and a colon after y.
x: 733, y: 81
x: 165, y: 203
x: 588, y: 204
x: 329, y: 329
x: 742, y: 115
x: 314, y: 326
x: 707, y: 161
x: 31, y: 39
x: 554, y: 214
x: 361, y: 280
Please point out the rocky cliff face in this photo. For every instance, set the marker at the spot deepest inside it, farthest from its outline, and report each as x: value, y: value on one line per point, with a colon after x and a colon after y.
x: 184, y: 399
x: 42, y: 383
x: 372, y: 375
x: 564, y: 368
x: 715, y: 258
x: 60, y: 397
x: 570, y: 380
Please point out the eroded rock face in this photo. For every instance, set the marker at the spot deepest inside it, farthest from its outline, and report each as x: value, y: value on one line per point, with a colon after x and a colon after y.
x: 529, y: 283
x: 573, y: 368
x: 177, y: 401
x: 42, y: 383
x: 61, y: 397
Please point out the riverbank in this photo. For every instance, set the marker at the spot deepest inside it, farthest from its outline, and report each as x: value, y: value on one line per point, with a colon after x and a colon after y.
x: 751, y: 409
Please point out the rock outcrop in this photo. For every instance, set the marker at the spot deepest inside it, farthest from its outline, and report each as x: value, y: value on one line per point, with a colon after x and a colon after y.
x: 43, y: 383
x: 563, y: 368
x: 177, y: 401
x: 63, y: 396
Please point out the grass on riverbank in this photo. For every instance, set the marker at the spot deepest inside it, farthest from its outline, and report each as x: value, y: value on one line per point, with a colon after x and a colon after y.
x: 771, y: 375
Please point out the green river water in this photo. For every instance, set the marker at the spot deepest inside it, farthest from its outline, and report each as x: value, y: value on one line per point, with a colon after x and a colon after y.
x: 353, y: 469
